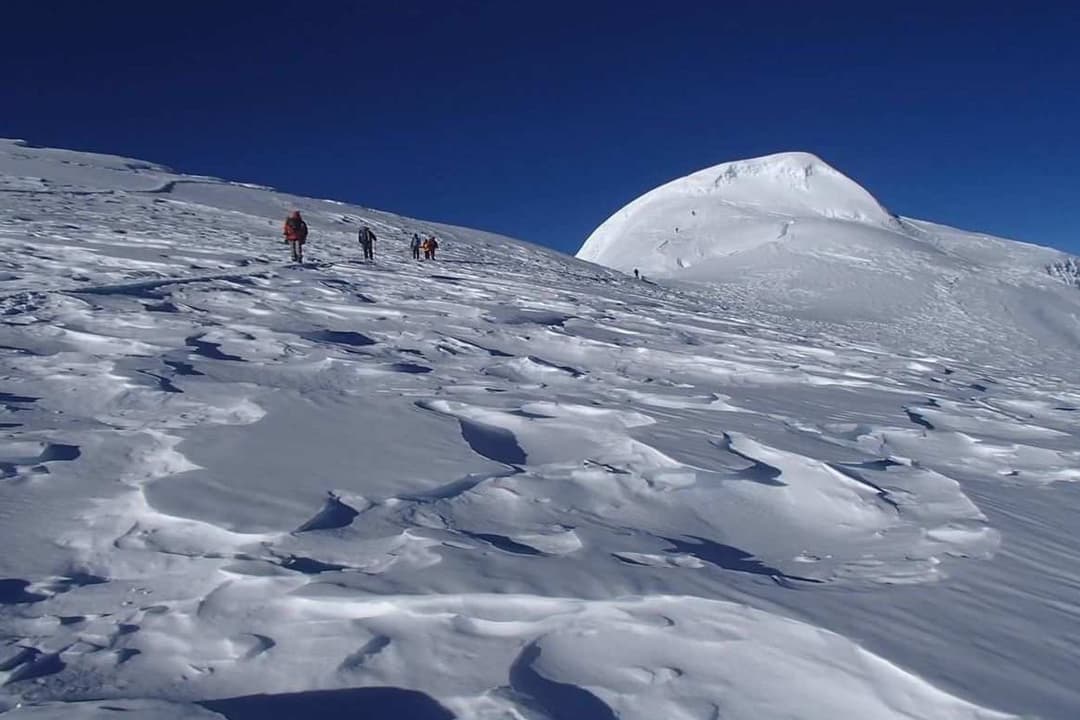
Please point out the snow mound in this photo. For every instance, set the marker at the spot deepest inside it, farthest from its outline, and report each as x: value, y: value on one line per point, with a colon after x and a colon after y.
x: 685, y: 221
x: 791, y: 235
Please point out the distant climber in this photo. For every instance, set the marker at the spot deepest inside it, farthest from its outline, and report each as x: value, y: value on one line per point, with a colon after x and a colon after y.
x: 296, y: 235
x: 366, y: 236
x: 637, y: 275
x: 414, y: 245
x: 429, y: 246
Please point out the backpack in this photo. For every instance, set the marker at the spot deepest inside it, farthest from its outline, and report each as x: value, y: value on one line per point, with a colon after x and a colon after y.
x: 297, y: 227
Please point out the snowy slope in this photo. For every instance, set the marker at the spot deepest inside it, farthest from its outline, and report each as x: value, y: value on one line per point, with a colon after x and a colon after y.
x: 789, y: 234
x: 507, y: 484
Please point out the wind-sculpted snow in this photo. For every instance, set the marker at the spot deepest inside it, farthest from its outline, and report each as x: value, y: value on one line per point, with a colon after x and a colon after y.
x: 1066, y: 270
x: 506, y: 484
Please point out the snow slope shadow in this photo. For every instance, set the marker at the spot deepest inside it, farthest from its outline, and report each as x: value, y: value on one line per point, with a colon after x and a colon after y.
x: 163, y: 383
x: 919, y: 419
x: 501, y: 542
x: 410, y: 368
x: 494, y: 443
x: 142, y: 290
x: 853, y: 473
x: 372, y: 702
x: 759, y: 471
x: 486, y: 439
x: 13, y: 592
x: 310, y: 566
x: 731, y: 558
x: 339, y: 337
x: 182, y: 368
x: 333, y: 514
x: 370, y: 649
x: 51, y: 452
x: 156, y: 289
x: 30, y: 664
x: 210, y: 350
x: 559, y: 701
x: 11, y: 401
x: 59, y: 452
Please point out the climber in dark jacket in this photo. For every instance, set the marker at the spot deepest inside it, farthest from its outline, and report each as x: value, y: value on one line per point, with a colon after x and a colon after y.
x: 367, y: 242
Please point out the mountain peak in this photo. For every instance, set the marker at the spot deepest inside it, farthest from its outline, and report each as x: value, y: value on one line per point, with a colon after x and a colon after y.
x: 800, y: 182
x: 796, y: 163
x: 795, y: 168
x: 728, y: 208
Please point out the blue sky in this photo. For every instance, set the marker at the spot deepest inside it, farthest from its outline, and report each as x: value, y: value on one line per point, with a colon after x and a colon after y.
x: 539, y: 119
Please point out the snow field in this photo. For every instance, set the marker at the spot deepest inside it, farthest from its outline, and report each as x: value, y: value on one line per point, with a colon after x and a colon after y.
x: 507, y: 484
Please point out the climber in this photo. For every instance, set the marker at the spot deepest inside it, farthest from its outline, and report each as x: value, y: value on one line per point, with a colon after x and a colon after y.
x: 296, y: 235
x: 366, y: 237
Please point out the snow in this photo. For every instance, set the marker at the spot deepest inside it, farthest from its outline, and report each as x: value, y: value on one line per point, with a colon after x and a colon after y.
x: 789, y: 235
x: 757, y: 197
x: 506, y: 484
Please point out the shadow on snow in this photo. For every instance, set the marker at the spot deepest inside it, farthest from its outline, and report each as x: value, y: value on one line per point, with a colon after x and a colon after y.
x: 373, y: 702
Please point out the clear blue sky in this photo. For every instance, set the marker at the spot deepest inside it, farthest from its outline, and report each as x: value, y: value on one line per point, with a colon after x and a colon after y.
x: 539, y: 119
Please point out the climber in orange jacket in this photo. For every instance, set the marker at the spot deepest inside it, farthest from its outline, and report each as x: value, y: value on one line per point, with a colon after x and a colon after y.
x: 296, y: 235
